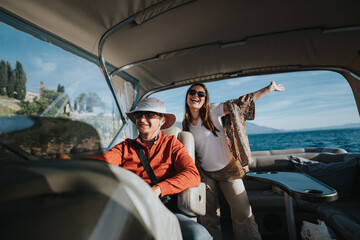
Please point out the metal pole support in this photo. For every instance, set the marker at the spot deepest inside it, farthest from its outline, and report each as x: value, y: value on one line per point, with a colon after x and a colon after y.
x: 289, y: 207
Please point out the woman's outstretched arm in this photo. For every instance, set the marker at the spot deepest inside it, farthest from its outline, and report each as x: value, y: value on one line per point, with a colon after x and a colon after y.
x: 261, y: 93
x: 268, y: 89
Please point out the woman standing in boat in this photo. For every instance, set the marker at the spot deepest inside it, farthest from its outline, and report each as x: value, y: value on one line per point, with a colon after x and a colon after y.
x: 223, y: 154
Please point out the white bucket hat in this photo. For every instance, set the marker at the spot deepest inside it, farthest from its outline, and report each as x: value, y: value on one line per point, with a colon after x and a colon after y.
x: 153, y: 105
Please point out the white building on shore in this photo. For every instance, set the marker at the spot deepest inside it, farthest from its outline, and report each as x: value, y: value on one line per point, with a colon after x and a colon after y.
x: 30, y: 96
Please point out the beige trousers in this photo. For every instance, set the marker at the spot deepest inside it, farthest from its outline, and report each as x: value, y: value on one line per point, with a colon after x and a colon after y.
x: 244, y: 225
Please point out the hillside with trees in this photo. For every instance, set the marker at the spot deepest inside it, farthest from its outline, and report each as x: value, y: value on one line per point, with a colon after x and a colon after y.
x: 12, y: 81
x: 50, y: 103
x: 13, y: 90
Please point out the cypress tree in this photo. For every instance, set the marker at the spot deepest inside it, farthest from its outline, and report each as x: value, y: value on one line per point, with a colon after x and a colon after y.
x: 10, y: 88
x: 60, y: 88
x: 20, y: 83
x: 4, y: 78
x: 9, y: 70
x: 11, y: 80
x: 75, y: 105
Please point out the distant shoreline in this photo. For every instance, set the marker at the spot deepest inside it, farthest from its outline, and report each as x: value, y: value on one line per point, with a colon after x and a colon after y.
x: 305, y: 130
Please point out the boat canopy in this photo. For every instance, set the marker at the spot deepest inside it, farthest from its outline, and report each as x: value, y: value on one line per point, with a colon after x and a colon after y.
x: 170, y: 43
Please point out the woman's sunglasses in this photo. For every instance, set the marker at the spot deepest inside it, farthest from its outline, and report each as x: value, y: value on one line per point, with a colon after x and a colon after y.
x: 148, y: 115
x: 199, y: 93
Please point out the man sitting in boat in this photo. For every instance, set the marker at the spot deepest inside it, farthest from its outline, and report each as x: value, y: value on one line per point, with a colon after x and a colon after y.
x: 169, y: 160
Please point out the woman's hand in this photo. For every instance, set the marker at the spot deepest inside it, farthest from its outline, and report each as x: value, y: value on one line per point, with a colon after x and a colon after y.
x: 276, y: 87
x: 266, y: 90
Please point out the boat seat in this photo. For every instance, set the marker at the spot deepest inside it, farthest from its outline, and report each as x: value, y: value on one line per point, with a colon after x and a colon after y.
x: 192, y: 201
x: 341, y: 216
x: 297, y: 150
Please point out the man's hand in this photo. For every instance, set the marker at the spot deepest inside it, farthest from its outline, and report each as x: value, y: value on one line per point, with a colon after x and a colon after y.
x: 157, y: 190
x: 60, y: 156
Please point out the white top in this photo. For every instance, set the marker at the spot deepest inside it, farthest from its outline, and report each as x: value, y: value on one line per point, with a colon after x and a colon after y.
x: 213, y: 152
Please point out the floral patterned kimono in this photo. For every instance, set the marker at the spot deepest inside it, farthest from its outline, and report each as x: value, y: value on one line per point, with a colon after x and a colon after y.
x: 240, y: 109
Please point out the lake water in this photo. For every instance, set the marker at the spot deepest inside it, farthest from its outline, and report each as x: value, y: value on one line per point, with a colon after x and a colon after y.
x: 348, y: 139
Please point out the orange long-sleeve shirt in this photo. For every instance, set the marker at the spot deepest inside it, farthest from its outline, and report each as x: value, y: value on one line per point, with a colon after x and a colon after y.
x: 168, y: 158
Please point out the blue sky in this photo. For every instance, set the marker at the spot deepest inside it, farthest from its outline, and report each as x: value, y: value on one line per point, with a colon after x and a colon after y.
x: 311, y: 99
x: 47, y: 63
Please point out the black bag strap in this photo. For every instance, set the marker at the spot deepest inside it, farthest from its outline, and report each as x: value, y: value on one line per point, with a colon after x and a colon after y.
x: 145, y: 162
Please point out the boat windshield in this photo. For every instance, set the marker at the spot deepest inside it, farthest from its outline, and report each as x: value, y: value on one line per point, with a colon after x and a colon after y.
x: 43, y: 80
x: 317, y: 109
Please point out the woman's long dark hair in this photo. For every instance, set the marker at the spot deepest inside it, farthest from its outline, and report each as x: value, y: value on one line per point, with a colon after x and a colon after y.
x: 204, y: 112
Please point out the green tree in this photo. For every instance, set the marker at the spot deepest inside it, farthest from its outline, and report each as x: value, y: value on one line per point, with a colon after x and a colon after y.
x: 49, y: 104
x: 9, y: 69
x: 87, y: 102
x: 60, y: 88
x: 20, y: 83
x: 50, y: 95
x: 81, y: 101
x: 91, y: 101
x: 34, y: 108
x: 57, y: 102
x: 4, y: 77
x: 75, y: 105
x: 10, y: 88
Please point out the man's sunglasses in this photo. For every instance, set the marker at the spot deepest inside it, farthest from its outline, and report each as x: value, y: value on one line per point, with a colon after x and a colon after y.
x: 148, y: 115
x: 199, y: 93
